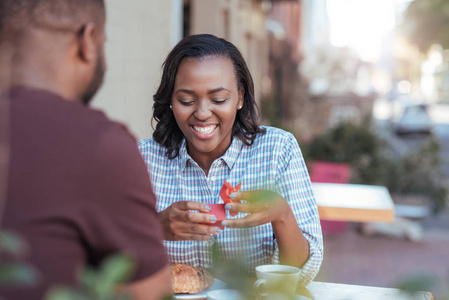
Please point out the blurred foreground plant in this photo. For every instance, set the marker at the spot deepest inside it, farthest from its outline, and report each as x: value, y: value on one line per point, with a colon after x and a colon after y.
x: 13, y: 272
x: 421, y: 282
x: 98, y: 284
x: 95, y: 284
x: 232, y: 271
x: 238, y: 275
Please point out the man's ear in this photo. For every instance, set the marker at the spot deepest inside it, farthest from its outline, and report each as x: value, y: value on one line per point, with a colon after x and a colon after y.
x: 87, y: 47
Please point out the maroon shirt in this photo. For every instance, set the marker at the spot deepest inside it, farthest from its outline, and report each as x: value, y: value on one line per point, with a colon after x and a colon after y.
x: 78, y: 191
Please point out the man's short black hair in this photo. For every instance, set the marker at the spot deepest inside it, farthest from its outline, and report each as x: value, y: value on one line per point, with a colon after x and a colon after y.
x: 16, y: 16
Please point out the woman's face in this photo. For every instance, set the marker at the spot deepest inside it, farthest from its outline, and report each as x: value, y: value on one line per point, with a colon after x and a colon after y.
x: 205, y: 101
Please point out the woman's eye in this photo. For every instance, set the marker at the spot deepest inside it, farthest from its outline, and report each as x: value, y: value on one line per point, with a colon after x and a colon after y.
x: 218, y: 101
x: 186, y: 102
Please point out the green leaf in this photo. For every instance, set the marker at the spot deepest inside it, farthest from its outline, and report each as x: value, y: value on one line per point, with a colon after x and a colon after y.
x: 17, y: 274
x: 88, y: 278
x: 118, y: 267
x: 63, y: 293
x: 115, y: 269
x: 417, y: 283
x: 12, y: 244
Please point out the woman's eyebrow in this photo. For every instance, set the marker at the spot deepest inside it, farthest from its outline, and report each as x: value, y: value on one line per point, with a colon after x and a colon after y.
x: 190, y: 92
x: 218, y: 90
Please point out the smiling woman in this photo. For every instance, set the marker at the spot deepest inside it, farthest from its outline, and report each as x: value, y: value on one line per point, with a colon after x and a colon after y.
x: 207, y: 134
x: 205, y: 101
x: 198, y: 48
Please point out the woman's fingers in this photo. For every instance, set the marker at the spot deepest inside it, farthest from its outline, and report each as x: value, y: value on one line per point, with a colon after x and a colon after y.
x: 263, y: 206
x: 195, y: 217
x: 203, y: 230
x: 251, y: 220
x: 198, y: 232
x: 183, y: 212
x: 192, y: 205
x: 241, y: 207
x: 253, y: 201
x: 181, y: 223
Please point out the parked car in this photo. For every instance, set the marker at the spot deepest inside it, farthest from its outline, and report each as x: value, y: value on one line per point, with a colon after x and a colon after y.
x: 412, y: 118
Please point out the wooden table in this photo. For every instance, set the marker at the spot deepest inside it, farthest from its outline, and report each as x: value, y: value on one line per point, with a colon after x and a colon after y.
x: 353, y: 202
x: 337, y: 291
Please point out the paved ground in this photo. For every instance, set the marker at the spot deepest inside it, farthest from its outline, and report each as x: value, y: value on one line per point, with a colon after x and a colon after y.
x: 354, y: 258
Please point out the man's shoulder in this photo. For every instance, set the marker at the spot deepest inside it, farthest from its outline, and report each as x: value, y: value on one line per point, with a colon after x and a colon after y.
x: 66, y: 117
x: 95, y: 122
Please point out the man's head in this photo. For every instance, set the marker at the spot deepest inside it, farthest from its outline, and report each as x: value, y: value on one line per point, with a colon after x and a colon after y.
x: 58, y: 44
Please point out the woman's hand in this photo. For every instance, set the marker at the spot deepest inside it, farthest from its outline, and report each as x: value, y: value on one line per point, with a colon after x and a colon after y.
x: 263, y: 207
x: 180, y: 223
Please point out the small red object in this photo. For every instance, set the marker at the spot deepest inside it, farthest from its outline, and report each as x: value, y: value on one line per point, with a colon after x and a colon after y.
x: 219, y: 212
x: 227, y: 190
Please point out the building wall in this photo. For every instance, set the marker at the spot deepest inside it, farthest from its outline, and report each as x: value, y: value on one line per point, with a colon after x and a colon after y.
x: 315, y: 24
x: 242, y: 22
x: 140, y: 34
x: 289, y: 15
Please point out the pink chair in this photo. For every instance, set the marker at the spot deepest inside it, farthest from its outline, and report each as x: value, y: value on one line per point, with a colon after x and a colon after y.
x: 330, y: 172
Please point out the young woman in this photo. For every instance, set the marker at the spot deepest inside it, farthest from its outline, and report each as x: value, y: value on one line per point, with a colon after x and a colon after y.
x: 207, y: 132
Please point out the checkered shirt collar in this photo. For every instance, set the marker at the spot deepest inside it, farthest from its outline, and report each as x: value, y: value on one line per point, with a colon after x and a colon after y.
x: 229, y: 157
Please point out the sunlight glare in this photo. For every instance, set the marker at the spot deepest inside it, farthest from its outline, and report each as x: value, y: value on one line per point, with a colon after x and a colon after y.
x: 361, y: 25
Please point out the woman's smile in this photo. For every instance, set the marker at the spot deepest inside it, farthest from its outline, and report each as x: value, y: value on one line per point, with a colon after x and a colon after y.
x: 204, y: 131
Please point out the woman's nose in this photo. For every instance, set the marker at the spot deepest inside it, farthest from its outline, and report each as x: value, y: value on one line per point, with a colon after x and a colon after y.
x: 203, y: 110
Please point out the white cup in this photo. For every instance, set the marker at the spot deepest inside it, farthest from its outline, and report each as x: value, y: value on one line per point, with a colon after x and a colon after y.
x: 276, y: 279
x: 225, y: 294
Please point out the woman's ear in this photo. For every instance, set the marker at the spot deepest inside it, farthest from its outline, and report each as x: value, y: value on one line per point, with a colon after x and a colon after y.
x: 241, y: 97
x: 87, y: 46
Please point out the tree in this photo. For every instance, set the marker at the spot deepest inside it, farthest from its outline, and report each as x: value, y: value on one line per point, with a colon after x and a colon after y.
x: 426, y: 22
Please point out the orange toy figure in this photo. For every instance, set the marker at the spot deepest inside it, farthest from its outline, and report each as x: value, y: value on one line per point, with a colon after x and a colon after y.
x: 218, y: 209
x: 227, y: 190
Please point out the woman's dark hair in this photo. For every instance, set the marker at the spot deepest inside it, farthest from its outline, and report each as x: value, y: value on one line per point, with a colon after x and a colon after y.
x: 167, y: 132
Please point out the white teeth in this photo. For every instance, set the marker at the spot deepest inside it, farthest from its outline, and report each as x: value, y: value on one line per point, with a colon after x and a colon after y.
x: 205, y: 130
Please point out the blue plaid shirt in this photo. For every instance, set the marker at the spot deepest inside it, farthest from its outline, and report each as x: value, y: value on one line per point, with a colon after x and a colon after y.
x: 273, y: 162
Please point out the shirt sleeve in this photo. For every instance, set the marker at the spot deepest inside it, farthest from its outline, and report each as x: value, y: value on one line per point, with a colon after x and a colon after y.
x: 293, y: 183
x: 118, y: 213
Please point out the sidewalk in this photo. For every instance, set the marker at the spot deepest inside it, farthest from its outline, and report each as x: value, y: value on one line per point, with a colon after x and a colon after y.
x: 353, y: 258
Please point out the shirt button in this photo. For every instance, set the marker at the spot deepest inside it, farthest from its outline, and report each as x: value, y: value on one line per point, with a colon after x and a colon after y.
x: 212, y: 178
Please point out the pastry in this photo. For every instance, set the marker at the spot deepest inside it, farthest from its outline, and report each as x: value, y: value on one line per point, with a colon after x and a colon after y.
x: 189, y: 279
